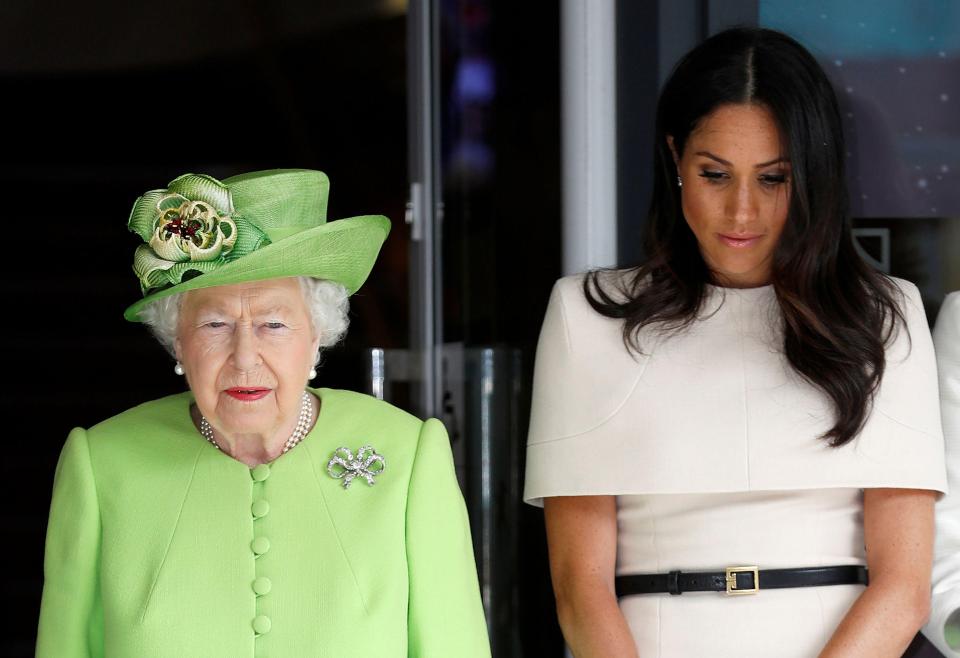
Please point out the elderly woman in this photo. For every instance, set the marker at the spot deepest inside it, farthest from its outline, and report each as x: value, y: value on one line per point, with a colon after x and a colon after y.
x: 253, y: 515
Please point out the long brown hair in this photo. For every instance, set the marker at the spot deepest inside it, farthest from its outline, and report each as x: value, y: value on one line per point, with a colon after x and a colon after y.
x: 839, y: 313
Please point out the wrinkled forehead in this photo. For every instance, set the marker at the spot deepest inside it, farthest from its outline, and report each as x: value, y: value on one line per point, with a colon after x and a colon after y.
x: 256, y: 297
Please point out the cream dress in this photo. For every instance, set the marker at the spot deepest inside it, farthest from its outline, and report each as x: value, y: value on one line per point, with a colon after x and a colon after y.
x: 709, y: 441
x: 946, y: 564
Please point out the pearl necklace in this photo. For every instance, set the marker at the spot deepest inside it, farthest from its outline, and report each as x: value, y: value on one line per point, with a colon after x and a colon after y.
x: 300, y: 431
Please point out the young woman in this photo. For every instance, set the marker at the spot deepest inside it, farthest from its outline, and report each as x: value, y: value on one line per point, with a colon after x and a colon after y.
x: 752, y: 410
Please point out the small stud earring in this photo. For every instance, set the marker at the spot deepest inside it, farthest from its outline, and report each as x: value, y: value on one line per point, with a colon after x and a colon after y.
x: 313, y: 373
x: 679, y: 182
x: 178, y: 368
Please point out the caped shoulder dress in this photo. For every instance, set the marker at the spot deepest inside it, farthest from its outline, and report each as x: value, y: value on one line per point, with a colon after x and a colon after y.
x: 708, y: 440
x: 160, y: 545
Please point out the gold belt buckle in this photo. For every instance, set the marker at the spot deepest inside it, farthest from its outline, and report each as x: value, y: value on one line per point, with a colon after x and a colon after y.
x: 733, y: 590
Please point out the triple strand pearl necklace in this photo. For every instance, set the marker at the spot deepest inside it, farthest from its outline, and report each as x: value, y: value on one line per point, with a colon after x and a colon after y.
x: 300, y: 431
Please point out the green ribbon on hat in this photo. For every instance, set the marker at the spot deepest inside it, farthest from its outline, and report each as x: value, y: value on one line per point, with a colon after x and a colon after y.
x: 190, y: 228
x: 200, y: 232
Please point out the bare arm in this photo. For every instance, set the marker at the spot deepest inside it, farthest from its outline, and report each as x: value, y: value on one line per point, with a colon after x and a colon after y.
x: 582, y: 539
x: 898, y: 532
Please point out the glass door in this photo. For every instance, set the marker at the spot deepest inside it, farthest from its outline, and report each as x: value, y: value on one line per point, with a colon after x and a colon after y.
x: 484, y: 214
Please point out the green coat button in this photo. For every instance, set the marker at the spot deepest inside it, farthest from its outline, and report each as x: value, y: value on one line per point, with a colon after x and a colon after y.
x: 260, y: 508
x: 261, y: 624
x: 260, y: 545
x: 260, y: 473
x: 262, y: 585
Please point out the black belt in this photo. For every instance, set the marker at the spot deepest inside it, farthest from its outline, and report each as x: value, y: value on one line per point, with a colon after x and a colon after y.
x: 739, y: 580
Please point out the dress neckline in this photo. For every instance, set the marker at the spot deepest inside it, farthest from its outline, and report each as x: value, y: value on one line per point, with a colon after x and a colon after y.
x: 748, y: 294
x: 322, y: 406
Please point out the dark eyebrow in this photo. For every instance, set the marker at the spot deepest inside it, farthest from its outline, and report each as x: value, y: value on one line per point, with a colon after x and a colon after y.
x: 707, y: 154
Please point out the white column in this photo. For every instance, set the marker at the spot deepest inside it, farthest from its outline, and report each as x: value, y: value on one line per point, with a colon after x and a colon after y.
x: 588, y: 47
x: 588, y: 79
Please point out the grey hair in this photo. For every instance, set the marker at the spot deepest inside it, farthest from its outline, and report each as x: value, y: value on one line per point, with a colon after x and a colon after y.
x: 327, y: 301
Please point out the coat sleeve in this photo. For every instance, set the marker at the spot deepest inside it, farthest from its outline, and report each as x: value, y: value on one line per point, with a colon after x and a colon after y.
x: 71, y: 616
x: 445, y: 616
x: 946, y: 568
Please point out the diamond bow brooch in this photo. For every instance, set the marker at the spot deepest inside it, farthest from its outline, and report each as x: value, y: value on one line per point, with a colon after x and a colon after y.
x: 367, y: 464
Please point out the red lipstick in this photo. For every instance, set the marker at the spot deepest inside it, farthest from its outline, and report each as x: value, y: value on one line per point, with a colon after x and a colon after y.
x: 247, y: 393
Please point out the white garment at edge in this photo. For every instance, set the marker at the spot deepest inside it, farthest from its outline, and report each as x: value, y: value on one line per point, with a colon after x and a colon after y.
x: 946, y: 568
x: 709, y: 441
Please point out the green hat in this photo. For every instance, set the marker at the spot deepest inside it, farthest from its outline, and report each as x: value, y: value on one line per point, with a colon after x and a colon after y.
x: 201, y: 232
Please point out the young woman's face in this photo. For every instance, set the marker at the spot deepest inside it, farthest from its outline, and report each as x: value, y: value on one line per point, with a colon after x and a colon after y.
x: 736, y: 191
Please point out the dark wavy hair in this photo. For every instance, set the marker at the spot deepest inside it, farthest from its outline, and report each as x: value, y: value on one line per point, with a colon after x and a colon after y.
x: 839, y: 313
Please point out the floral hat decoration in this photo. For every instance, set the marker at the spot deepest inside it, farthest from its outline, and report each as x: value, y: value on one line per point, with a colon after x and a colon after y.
x: 200, y: 232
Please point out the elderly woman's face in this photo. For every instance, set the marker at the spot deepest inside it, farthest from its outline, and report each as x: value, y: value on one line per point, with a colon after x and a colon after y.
x: 736, y: 192
x: 246, y: 350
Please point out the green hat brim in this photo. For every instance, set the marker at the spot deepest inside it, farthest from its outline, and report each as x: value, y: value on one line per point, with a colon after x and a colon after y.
x: 343, y: 251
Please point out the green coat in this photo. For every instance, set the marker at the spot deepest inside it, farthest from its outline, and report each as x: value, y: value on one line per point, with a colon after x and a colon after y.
x: 153, y: 541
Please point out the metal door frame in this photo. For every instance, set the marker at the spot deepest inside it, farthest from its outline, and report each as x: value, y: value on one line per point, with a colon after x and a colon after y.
x: 423, y: 208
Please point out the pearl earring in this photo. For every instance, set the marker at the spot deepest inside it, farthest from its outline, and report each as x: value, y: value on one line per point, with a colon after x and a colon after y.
x: 679, y: 182
x: 313, y: 373
x: 178, y: 368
